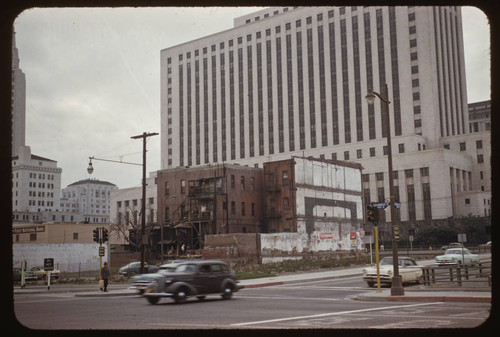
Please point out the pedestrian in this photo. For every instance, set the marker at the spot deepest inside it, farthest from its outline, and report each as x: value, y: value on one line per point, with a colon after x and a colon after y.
x: 105, y: 275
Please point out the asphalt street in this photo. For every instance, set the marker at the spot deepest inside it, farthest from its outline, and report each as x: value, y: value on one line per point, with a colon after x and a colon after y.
x: 311, y: 304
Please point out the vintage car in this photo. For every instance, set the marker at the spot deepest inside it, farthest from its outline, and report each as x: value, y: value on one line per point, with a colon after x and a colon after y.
x: 42, y: 273
x: 140, y: 282
x: 133, y: 268
x: 194, y: 278
x: 408, y: 269
x: 28, y: 275
x: 452, y: 245
x: 457, y: 256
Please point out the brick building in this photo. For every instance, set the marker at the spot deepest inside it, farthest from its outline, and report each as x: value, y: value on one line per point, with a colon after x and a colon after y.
x: 216, y: 199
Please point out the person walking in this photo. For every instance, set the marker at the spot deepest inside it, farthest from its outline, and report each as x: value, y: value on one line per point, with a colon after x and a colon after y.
x: 105, y: 275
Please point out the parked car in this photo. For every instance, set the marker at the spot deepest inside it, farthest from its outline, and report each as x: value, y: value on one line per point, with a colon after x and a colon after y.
x: 457, y: 256
x: 193, y: 278
x: 452, y: 245
x: 28, y: 275
x: 486, y: 246
x: 42, y: 273
x: 140, y: 282
x: 134, y: 268
x: 408, y: 269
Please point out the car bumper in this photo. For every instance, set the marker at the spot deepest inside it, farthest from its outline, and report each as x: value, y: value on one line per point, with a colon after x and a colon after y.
x: 446, y: 263
x: 373, y: 278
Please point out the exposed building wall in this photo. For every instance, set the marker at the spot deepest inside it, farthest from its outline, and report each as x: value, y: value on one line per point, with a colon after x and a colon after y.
x: 232, y: 246
x: 71, y: 257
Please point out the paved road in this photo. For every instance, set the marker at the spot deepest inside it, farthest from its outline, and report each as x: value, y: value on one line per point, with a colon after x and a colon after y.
x: 309, y: 304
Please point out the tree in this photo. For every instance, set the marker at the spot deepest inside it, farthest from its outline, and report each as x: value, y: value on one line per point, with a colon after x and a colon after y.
x: 435, y: 235
x: 124, y: 225
x: 475, y: 229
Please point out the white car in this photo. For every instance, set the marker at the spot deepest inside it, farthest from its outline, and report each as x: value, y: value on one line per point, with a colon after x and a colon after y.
x: 457, y: 256
x: 408, y: 270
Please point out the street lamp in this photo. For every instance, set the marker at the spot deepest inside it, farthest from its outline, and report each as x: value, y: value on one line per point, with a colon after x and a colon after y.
x: 397, y: 284
x: 90, y: 169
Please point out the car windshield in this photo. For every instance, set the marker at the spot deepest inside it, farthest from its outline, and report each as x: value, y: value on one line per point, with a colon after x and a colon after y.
x: 387, y: 261
x: 456, y: 251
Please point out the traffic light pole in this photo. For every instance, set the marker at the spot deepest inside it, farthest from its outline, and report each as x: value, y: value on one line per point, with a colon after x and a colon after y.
x: 375, y: 231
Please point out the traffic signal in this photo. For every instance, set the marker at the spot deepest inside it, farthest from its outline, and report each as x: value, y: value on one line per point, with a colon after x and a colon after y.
x: 372, y: 214
x: 396, y: 233
x: 104, y: 234
x: 96, y: 234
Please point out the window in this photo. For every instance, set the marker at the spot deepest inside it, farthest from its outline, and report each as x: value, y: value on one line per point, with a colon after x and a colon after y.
x: 286, y: 204
x: 479, y: 144
x: 75, y: 236
x: 409, y: 173
x: 480, y: 159
x: 424, y: 172
x: 401, y: 148
x: 379, y: 176
x: 32, y: 236
x: 285, y: 178
x: 183, y: 186
x: 467, y: 201
x: 346, y: 155
x: 233, y: 208
x: 242, y: 181
x: 366, y: 178
x: 232, y: 181
x: 253, y: 208
x: 359, y: 153
x: 271, y: 179
x: 463, y: 147
x: 372, y: 152
x: 167, y: 189
x: 243, y: 208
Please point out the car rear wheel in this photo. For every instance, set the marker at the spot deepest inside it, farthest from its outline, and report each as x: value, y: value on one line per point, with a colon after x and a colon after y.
x: 228, y: 292
x: 370, y: 284
x: 153, y: 300
x: 180, y: 295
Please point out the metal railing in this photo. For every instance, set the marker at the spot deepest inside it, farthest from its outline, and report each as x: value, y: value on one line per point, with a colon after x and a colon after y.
x: 474, y: 276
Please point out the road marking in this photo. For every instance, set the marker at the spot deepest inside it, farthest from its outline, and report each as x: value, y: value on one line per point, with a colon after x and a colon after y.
x: 334, y: 314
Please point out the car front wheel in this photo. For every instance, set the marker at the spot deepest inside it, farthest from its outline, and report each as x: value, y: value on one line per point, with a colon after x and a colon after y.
x: 180, y: 295
x: 228, y: 292
x: 153, y: 300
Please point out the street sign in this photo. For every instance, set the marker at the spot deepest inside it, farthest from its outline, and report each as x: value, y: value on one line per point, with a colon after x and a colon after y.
x: 48, y: 264
x: 380, y: 205
x: 383, y: 205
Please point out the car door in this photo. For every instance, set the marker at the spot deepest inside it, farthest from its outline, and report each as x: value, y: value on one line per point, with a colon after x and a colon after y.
x: 202, y: 280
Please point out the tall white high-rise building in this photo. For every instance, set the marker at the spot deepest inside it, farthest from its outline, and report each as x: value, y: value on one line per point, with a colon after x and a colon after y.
x: 292, y: 81
x: 18, y: 102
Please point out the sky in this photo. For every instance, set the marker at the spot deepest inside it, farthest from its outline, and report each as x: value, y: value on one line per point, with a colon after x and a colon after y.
x: 93, y: 80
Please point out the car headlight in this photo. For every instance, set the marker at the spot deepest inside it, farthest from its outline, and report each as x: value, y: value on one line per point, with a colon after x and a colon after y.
x: 364, y: 271
x: 168, y: 281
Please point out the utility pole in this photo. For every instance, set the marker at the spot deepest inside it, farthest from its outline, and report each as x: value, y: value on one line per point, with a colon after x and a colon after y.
x: 144, y: 239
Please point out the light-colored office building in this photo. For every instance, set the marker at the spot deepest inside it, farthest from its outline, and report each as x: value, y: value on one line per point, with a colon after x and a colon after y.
x: 89, y: 199
x: 36, y: 186
x: 292, y: 81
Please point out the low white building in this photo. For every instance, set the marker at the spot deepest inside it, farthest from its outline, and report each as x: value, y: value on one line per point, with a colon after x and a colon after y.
x: 125, y: 208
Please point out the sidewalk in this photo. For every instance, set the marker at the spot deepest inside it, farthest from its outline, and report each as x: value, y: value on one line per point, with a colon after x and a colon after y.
x: 411, y: 294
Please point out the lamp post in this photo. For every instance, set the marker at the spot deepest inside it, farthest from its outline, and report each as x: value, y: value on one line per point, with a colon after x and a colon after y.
x: 90, y: 169
x: 397, y: 284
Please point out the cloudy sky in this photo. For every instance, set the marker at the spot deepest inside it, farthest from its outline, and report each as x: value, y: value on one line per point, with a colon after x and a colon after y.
x: 93, y: 80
